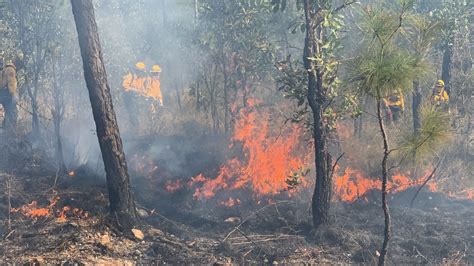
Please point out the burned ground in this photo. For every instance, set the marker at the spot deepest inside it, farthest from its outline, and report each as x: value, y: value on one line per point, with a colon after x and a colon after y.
x: 181, y: 229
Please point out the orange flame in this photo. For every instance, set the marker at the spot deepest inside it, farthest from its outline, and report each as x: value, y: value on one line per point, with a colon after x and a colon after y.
x: 268, y: 158
x: 271, y: 155
x: 32, y: 211
x: 231, y: 202
x: 354, y: 184
x: 171, y: 186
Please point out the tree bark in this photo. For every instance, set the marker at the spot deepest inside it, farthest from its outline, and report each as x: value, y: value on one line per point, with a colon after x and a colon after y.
x: 416, y: 107
x: 58, y: 112
x: 316, y: 98
x: 386, y: 211
x: 196, y: 10
x: 122, y: 206
x: 226, y: 98
x: 447, y: 64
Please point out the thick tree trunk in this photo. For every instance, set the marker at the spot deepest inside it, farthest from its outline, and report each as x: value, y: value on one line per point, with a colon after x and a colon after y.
x: 122, y: 206
x: 416, y: 107
x: 386, y: 211
x: 316, y: 99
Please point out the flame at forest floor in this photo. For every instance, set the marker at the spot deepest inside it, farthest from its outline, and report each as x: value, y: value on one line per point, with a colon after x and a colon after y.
x: 273, y: 159
x: 354, y: 184
x: 269, y: 156
x: 34, y: 212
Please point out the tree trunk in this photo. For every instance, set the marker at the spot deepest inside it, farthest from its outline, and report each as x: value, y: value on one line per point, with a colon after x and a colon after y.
x: 447, y: 64
x: 196, y: 9
x: 32, y: 93
x: 416, y: 107
x: 35, y: 119
x: 316, y: 99
x: 198, y: 95
x: 386, y: 211
x: 360, y: 120
x: 226, y: 102
x: 57, y: 119
x: 122, y: 205
x: 164, y: 13
x: 178, y: 96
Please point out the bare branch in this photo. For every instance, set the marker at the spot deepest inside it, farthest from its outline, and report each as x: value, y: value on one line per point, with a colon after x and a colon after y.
x: 425, y: 182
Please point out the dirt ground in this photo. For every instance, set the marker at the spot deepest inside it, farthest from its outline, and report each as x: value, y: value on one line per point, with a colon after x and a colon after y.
x: 181, y: 230
x: 439, y: 230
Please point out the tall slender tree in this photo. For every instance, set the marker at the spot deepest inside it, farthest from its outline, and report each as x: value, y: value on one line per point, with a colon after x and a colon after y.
x: 122, y: 205
x: 381, y: 71
x: 316, y: 86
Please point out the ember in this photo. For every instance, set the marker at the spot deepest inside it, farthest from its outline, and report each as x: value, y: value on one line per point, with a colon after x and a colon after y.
x: 231, y: 202
x: 32, y: 211
x: 171, y: 186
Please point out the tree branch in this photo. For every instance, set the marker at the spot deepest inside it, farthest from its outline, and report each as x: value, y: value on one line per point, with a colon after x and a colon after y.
x: 346, y: 4
x: 425, y: 182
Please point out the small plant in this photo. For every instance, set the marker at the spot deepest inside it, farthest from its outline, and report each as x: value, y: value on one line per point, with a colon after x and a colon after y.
x: 296, y: 178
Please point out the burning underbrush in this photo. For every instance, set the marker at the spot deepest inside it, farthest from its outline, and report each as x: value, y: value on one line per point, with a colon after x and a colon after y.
x: 61, y: 214
x: 239, y: 200
x: 262, y: 163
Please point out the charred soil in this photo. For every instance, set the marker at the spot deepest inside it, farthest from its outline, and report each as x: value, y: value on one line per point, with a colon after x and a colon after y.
x: 182, y: 230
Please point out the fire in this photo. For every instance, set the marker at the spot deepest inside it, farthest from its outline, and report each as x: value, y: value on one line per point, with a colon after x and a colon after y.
x: 274, y: 160
x: 32, y: 211
x: 68, y: 211
x: 470, y: 194
x: 71, y: 173
x: 171, y: 186
x: 231, y: 202
x: 269, y: 156
x: 354, y: 184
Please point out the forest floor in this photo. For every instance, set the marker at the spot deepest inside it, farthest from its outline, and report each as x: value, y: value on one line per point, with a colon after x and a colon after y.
x: 178, y: 230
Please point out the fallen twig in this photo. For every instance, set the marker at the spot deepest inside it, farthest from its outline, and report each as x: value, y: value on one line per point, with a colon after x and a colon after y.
x: 9, y: 234
x: 249, y: 239
x: 248, y: 218
x: 421, y: 255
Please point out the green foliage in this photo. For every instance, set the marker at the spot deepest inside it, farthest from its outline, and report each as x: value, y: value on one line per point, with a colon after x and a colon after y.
x: 434, y: 133
x: 295, y: 179
x: 454, y: 16
x: 380, y: 77
x: 234, y: 31
x: 350, y: 105
x: 292, y: 80
x: 422, y: 33
x: 384, y: 66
